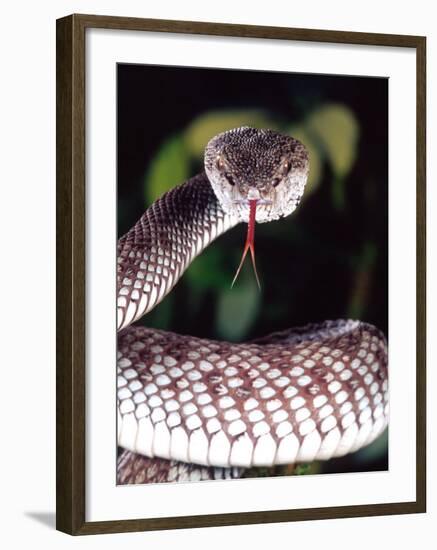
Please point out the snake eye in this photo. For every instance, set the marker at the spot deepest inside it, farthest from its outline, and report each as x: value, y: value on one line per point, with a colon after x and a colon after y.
x: 286, y: 167
x: 220, y: 163
x: 276, y: 181
x: 230, y: 178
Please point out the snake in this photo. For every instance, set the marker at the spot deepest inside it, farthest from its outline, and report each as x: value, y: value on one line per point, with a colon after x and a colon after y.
x: 191, y: 408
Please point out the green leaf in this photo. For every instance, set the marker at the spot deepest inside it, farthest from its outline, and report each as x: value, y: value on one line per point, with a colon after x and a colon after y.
x: 364, y: 264
x: 206, y: 126
x: 302, y: 469
x: 315, y: 154
x: 207, y: 270
x: 170, y: 167
x: 237, y: 309
x: 337, y: 130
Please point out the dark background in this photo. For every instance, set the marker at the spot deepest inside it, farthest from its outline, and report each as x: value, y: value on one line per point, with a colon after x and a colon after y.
x: 328, y: 260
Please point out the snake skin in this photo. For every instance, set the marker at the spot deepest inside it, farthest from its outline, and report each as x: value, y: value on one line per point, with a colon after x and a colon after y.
x: 153, y: 255
x: 133, y: 468
x: 309, y: 393
x: 305, y: 394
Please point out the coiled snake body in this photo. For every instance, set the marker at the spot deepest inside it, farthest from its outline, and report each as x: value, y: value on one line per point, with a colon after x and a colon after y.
x: 190, y: 408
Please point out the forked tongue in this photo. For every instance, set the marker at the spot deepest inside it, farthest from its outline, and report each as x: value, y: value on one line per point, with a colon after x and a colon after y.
x: 250, y: 242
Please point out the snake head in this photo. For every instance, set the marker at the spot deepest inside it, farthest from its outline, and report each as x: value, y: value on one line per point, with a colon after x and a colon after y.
x: 248, y: 164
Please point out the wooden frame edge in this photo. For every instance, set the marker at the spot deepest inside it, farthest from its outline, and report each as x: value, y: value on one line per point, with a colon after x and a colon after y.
x: 246, y: 518
x: 245, y: 31
x: 421, y: 464
x: 70, y: 274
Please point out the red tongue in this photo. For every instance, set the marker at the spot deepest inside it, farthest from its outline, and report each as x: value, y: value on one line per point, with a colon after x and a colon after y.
x: 250, y: 241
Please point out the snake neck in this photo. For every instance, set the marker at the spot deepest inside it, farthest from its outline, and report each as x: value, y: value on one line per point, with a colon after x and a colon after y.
x: 157, y: 250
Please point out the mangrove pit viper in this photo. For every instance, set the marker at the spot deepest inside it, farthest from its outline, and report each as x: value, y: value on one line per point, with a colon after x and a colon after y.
x: 190, y: 408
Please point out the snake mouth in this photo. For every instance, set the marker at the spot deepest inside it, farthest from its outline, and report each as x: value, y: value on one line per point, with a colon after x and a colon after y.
x: 250, y: 240
x: 265, y: 207
x: 247, y: 201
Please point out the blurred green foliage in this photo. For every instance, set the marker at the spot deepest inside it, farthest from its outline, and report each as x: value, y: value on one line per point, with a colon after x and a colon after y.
x: 170, y: 167
x: 331, y: 133
x: 237, y: 310
x: 206, y: 126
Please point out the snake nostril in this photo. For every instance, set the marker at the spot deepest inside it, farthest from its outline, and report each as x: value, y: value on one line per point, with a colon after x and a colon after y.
x: 253, y: 194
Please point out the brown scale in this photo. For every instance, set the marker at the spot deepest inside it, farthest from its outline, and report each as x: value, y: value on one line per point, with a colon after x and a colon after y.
x: 156, y: 251
x: 279, y: 355
x: 135, y: 469
x: 195, y: 208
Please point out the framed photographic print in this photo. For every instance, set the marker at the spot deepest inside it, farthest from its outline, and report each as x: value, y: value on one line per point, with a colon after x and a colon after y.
x: 241, y: 274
